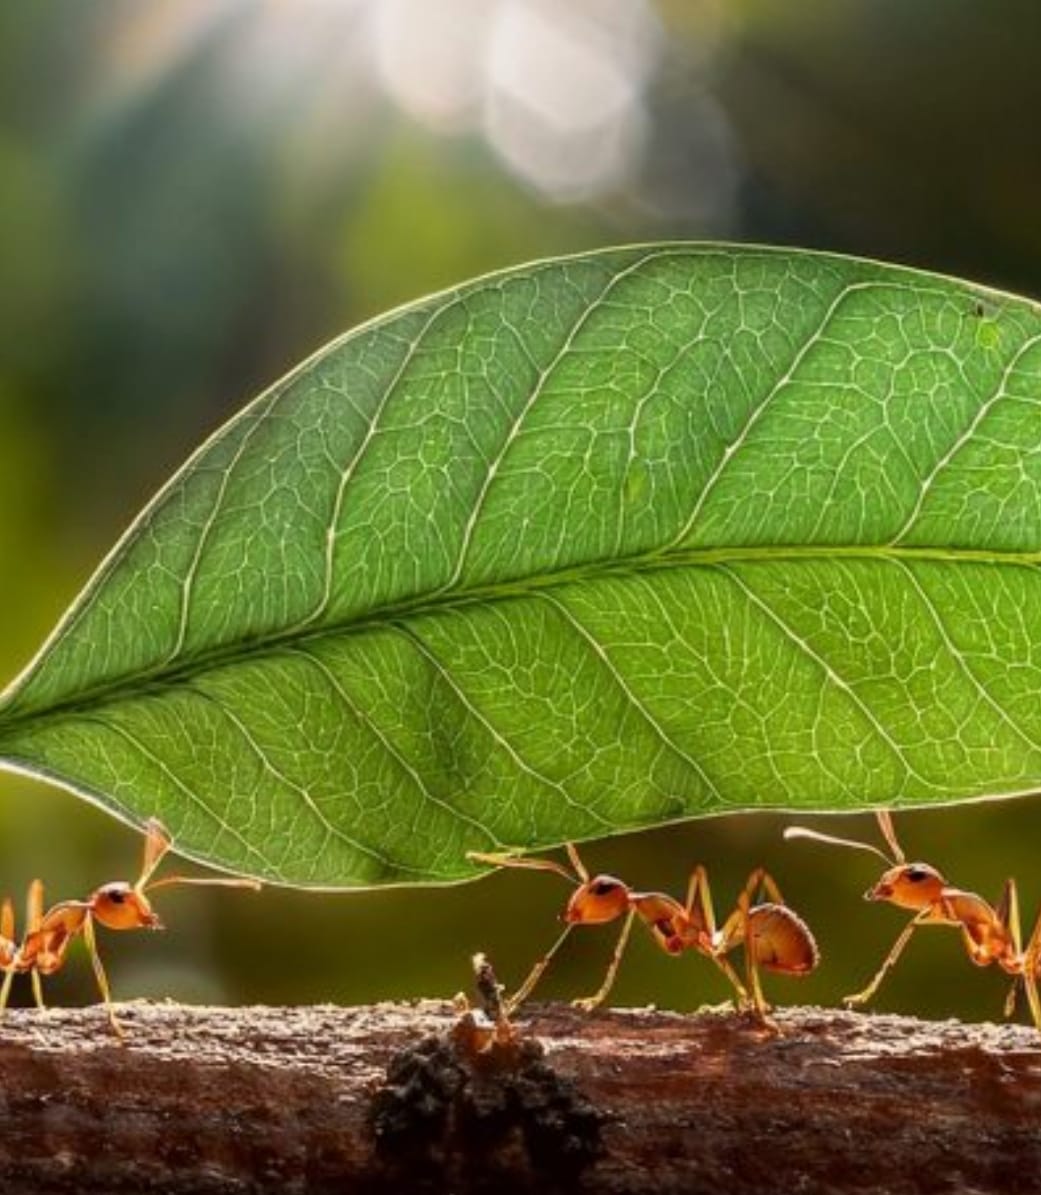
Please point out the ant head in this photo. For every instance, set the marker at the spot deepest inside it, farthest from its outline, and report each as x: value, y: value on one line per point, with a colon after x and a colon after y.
x: 909, y: 886
x: 121, y: 906
x: 603, y: 898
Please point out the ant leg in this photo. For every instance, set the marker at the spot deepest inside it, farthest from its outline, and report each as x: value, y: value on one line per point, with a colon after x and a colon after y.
x: 862, y: 997
x: 1031, y: 959
x: 8, y: 946
x: 10, y: 950
x: 588, y: 1003
x: 528, y: 986
x: 760, y: 1008
x: 762, y: 883
x: 5, y: 991
x: 770, y: 888
x: 732, y: 978
x: 757, y: 879
x: 34, y: 907
x: 99, y: 974
x: 735, y: 930
x: 1033, y: 999
x: 1007, y: 910
x: 699, y: 894
x: 33, y: 921
x: 7, y: 925
x: 736, y: 925
x: 1009, y: 1010
x: 699, y: 900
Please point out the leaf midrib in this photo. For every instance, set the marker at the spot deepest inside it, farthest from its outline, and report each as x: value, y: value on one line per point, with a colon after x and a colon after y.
x: 164, y: 677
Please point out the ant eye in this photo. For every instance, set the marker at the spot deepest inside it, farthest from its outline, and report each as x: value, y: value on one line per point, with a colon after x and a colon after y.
x: 917, y: 874
x: 116, y: 897
x: 602, y: 887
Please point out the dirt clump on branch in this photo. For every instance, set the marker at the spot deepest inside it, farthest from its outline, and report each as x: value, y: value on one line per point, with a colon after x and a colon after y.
x: 452, y: 1118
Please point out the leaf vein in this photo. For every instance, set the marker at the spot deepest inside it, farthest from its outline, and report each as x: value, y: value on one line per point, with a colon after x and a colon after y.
x: 188, y: 580
x: 731, y: 450
x: 421, y: 646
x: 331, y: 831
x: 536, y: 392
x: 605, y: 660
x: 399, y: 758
x: 804, y: 648
x: 959, y: 658
x: 136, y: 743
x: 965, y: 438
x: 332, y: 534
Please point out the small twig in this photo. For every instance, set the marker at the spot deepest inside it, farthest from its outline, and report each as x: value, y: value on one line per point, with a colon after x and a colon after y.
x: 489, y: 990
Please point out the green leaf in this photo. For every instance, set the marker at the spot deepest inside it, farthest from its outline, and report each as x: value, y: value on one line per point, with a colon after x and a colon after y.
x: 593, y: 544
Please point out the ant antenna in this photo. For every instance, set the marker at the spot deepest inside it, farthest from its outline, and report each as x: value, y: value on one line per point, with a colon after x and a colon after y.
x: 157, y: 843
x: 577, y: 864
x: 580, y: 875
x: 206, y: 882
x: 816, y: 836
x: 885, y: 824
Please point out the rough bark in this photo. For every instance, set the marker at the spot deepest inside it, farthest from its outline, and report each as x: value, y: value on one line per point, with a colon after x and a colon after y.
x: 281, y: 1100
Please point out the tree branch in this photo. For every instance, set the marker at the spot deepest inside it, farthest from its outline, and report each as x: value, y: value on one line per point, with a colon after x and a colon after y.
x: 214, y: 1101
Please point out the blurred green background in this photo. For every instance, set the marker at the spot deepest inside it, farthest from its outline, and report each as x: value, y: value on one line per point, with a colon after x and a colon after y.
x: 195, y: 194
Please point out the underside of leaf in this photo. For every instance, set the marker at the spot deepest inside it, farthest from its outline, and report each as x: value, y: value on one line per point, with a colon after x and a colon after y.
x: 594, y: 544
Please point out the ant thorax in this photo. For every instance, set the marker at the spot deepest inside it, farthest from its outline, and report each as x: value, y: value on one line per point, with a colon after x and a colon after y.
x: 673, y: 929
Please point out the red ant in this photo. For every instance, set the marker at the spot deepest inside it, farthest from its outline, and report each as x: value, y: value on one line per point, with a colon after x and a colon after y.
x: 117, y: 905
x: 990, y: 934
x: 773, y: 935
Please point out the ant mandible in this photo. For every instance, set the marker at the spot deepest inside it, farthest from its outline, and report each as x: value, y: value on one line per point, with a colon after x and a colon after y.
x: 773, y: 935
x: 990, y: 934
x: 117, y: 905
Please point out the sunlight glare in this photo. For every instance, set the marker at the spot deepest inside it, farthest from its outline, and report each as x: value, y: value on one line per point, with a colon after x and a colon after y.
x: 430, y: 58
x: 564, y: 106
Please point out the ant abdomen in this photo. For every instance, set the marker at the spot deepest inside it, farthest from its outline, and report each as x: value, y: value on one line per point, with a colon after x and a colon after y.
x: 781, y: 940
